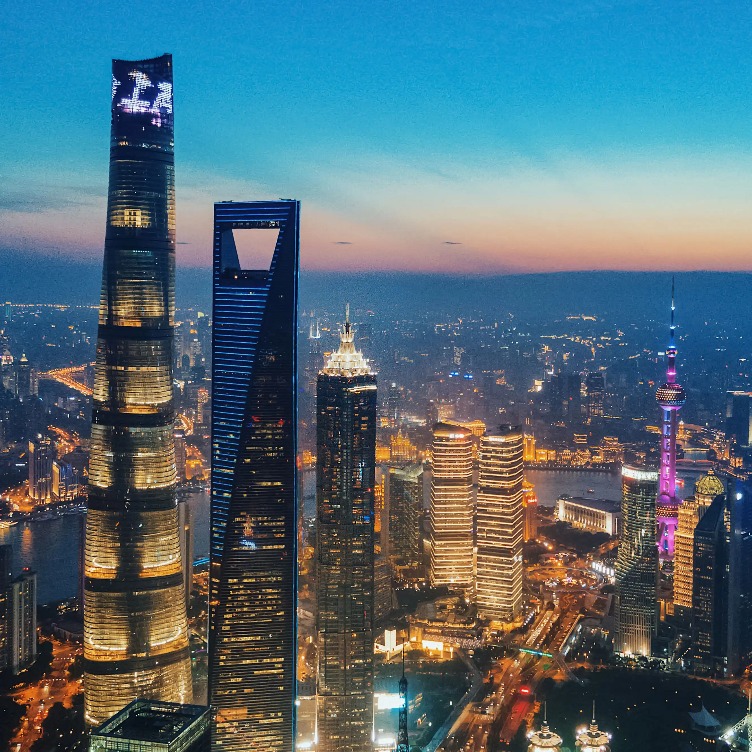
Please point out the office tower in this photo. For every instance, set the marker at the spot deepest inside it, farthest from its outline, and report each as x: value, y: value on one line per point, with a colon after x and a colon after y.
x: 22, y: 624
x: 314, y: 357
x: 405, y: 494
x: 452, y: 508
x: 500, y: 523
x: 64, y: 486
x: 595, y: 386
x: 149, y: 726
x: 180, y: 454
x: 739, y: 417
x: 345, y: 479
x: 27, y: 378
x: 6, y: 555
x: 690, y: 513
x: 253, y: 556
x: 671, y: 397
x: 530, y: 507
x: 637, y: 564
x: 565, y: 398
x: 544, y: 740
x: 185, y: 526
x: 716, y: 592
x: 41, y: 455
x: 135, y: 628
x: 709, y: 592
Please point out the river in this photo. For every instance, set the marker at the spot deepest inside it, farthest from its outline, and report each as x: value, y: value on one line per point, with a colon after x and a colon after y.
x: 52, y: 547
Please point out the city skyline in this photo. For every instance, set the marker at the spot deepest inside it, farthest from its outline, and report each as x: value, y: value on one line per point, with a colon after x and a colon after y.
x: 437, y: 149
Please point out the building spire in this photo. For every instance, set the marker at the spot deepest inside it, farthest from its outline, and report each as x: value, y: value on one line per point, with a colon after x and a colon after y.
x: 403, y: 744
x: 347, y: 360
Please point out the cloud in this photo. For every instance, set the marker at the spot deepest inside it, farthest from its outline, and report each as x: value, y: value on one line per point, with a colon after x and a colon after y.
x: 342, y: 242
x: 452, y: 242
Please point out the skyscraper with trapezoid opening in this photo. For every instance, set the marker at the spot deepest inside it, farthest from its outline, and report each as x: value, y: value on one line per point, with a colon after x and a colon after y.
x: 253, y: 558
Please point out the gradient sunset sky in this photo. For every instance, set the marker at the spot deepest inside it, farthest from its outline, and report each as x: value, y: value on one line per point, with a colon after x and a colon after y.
x: 517, y: 135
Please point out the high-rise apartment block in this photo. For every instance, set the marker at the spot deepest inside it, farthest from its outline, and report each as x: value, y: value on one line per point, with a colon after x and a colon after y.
x: 452, y: 508
x: 346, y: 411
x: 500, y: 523
x: 135, y: 627
x: 637, y: 564
x: 22, y: 621
x: 253, y: 549
x: 5, y: 579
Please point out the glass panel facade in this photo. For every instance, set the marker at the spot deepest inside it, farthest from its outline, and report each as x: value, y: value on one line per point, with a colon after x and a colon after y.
x: 345, y: 480
x: 637, y: 564
x: 135, y: 628
x: 253, y: 560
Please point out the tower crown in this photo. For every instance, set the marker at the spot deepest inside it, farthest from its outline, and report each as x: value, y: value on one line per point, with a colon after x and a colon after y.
x: 347, y: 360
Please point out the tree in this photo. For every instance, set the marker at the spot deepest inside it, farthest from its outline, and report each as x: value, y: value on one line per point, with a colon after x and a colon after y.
x: 63, y: 729
x: 11, y: 713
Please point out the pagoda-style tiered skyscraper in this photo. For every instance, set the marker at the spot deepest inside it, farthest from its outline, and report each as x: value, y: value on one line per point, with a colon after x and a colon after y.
x: 135, y: 630
x: 345, y: 480
x: 671, y: 398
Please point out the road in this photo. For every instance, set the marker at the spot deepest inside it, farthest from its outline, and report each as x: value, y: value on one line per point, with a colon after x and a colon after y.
x: 40, y: 697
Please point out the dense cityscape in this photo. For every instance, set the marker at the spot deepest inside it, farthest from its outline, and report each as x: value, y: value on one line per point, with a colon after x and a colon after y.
x: 276, y: 515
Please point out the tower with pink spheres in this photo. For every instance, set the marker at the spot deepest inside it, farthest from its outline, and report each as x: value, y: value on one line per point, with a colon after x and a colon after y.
x: 671, y: 397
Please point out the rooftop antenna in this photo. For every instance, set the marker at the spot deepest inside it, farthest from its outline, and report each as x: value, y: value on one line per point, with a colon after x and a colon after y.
x: 403, y: 744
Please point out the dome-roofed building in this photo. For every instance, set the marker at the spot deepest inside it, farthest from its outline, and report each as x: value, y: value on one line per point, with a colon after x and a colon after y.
x: 544, y: 740
x: 592, y: 739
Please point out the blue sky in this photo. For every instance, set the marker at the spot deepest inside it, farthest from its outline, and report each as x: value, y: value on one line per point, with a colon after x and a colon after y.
x: 530, y: 135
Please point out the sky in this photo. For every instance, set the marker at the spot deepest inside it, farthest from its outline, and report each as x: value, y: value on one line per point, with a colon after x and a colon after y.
x: 467, y: 138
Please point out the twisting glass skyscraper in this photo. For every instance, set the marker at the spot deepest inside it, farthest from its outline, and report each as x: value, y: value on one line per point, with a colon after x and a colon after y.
x: 253, y: 560
x: 345, y: 479
x: 135, y: 631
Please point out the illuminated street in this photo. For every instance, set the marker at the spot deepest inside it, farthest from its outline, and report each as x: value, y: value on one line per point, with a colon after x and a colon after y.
x: 40, y: 697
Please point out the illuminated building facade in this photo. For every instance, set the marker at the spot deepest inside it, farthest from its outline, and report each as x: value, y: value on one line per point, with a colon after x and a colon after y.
x: 501, y: 522
x: 595, y: 386
x: 147, y: 726
x: 405, y: 492
x: 452, y: 508
x: 22, y: 622
x: 345, y: 480
x: 593, y: 515
x: 544, y: 740
x: 637, y: 564
x: 690, y: 514
x: 253, y: 554
x: 135, y: 629
x: 6, y: 555
x: 592, y: 739
x: 41, y: 455
x: 530, y: 505
x: 671, y: 397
